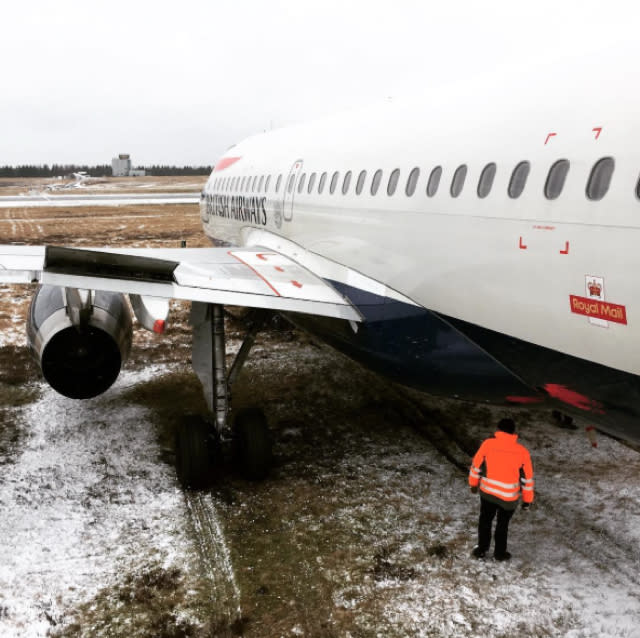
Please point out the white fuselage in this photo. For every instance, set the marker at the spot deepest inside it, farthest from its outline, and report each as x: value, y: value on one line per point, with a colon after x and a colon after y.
x: 507, y: 264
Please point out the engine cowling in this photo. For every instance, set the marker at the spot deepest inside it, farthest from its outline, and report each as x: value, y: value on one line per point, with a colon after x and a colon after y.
x: 80, y: 349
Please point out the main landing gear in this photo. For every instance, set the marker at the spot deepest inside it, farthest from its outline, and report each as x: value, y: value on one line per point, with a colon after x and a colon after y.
x: 198, y: 442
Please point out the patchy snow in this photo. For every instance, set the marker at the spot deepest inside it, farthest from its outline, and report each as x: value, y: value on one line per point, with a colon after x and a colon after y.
x: 364, y: 523
x: 84, y: 499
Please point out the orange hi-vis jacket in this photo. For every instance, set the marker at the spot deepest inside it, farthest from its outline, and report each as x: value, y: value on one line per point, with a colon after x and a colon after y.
x: 501, y: 466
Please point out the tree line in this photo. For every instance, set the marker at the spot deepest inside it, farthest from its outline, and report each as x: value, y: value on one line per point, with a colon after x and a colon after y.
x: 100, y: 170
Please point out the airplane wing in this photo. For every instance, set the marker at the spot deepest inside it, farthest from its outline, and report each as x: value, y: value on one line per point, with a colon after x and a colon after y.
x: 253, y: 277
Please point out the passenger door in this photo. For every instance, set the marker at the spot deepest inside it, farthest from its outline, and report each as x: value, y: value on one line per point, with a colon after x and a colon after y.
x: 290, y: 190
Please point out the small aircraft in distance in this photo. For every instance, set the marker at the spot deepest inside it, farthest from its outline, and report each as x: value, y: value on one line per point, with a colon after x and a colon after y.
x: 480, y: 243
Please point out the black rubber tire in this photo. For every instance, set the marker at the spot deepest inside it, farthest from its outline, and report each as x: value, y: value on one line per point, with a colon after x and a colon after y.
x: 253, y: 444
x: 194, y: 453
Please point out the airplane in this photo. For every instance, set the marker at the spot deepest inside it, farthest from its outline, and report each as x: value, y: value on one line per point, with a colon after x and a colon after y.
x: 479, y: 243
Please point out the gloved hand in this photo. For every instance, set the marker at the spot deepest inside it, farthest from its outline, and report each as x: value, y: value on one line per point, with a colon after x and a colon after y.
x: 526, y: 506
x: 474, y: 489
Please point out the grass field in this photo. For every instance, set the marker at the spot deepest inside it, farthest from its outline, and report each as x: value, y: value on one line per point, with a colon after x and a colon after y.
x: 363, y: 529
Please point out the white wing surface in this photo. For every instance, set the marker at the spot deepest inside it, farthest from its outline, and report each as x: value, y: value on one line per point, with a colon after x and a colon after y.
x: 252, y: 277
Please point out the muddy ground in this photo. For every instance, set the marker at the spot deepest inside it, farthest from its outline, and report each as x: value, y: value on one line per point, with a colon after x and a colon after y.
x: 363, y: 529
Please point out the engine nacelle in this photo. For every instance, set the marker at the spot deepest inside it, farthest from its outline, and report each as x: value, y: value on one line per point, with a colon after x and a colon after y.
x: 80, y: 338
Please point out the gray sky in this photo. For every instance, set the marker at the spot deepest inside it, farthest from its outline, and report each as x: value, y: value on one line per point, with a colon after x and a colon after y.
x: 178, y: 82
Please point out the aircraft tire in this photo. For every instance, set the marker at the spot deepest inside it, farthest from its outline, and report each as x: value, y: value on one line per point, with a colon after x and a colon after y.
x: 194, y: 452
x: 253, y: 443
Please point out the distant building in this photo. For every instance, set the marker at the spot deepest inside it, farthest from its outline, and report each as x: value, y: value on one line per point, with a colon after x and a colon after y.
x: 121, y: 167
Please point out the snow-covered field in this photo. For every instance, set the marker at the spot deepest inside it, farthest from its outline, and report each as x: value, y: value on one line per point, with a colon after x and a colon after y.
x: 364, y: 528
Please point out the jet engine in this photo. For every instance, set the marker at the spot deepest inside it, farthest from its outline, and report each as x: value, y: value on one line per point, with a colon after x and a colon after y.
x: 81, y: 338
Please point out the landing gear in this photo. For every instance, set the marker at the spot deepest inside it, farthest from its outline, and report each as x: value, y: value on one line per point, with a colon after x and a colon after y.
x: 252, y: 443
x: 194, y: 453
x: 250, y: 434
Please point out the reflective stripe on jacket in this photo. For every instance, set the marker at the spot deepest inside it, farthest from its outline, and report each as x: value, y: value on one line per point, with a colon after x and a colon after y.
x: 502, y: 467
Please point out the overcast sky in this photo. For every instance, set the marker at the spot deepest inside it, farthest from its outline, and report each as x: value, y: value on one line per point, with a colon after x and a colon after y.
x: 178, y: 82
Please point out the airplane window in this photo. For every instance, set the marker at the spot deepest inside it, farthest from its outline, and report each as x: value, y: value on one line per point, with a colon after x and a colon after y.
x: 303, y: 178
x: 334, y: 182
x: 457, y: 183
x: 346, y: 182
x: 556, y: 178
x: 434, y: 181
x: 266, y: 184
x: 360, y: 182
x: 292, y: 178
x: 486, y: 180
x: 312, y: 181
x: 242, y: 184
x: 393, y: 181
x: 323, y: 179
x: 278, y: 181
x: 253, y: 184
x: 518, y: 179
x: 375, y: 182
x: 260, y: 183
x: 412, y: 182
x: 600, y: 178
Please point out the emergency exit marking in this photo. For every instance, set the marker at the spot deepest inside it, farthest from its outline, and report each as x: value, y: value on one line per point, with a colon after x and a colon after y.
x: 522, y: 246
x: 566, y: 249
x: 549, y: 136
x: 597, y: 130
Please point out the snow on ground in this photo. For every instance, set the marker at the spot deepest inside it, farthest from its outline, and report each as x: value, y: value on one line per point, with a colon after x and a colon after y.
x: 86, y: 498
x: 363, y: 529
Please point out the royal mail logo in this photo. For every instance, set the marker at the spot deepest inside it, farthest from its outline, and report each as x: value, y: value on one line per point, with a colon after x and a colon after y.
x: 598, y: 309
x: 595, y: 289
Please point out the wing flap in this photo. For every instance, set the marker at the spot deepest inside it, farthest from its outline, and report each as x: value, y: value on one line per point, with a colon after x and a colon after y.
x: 252, y: 277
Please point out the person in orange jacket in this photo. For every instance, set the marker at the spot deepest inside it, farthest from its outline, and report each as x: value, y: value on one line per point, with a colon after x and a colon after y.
x: 502, y: 469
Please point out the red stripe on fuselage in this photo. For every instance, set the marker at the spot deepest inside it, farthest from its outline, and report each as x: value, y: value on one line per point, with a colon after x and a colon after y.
x: 225, y: 162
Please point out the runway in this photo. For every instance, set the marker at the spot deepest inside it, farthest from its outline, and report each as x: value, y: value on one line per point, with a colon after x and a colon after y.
x: 47, y: 200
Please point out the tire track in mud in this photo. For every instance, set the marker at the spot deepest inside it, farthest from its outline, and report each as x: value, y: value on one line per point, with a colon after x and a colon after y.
x: 215, y: 557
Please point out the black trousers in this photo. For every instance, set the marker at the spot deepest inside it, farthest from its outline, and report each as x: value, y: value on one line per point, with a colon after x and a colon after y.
x: 488, y: 510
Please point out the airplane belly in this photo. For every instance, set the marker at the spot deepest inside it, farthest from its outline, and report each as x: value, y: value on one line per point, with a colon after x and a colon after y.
x: 416, y: 348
